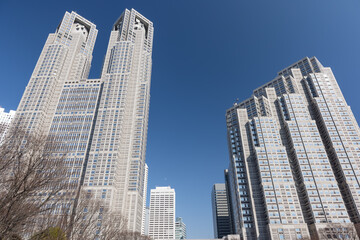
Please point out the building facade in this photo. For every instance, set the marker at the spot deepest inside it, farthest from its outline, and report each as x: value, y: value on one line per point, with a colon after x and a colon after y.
x: 162, y: 213
x: 222, y: 222
x: 180, y: 229
x: 117, y: 153
x: 5, y: 122
x: 146, y: 221
x: 228, y: 195
x: 145, y: 217
x: 294, y: 156
x: 101, y: 124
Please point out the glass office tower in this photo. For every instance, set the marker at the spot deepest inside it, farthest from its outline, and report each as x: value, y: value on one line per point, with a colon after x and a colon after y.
x: 221, y: 209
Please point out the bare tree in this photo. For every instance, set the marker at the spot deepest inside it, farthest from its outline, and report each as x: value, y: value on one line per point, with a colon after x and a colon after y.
x: 304, y: 238
x: 34, y: 196
x: 94, y: 220
x: 90, y: 219
x: 339, y: 231
x: 51, y: 233
x: 31, y: 178
x: 132, y: 236
x: 113, y: 226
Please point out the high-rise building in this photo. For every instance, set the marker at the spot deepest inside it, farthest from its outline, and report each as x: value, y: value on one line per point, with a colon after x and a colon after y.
x: 294, y: 157
x: 228, y: 195
x: 146, y: 221
x: 64, y: 61
x: 145, y: 217
x: 101, y: 124
x: 5, y: 121
x: 222, y: 222
x: 180, y: 229
x: 120, y: 132
x: 162, y: 213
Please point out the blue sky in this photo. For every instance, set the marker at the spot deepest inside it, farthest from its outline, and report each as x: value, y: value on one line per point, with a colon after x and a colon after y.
x: 206, y: 54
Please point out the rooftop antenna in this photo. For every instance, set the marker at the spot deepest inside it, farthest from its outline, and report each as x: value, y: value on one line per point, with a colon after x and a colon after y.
x: 236, y: 101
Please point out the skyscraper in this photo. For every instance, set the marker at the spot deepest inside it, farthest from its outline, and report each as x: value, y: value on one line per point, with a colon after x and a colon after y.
x: 64, y: 60
x: 145, y: 217
x: 228, y: 195
x: 162, y: 213
x: 5, y: 121
x: 221, y: 211
x: 146, y: 221
x: 101, y: 124
x: 120, y: 132
x: 294, y: 156
x: 180, y: 229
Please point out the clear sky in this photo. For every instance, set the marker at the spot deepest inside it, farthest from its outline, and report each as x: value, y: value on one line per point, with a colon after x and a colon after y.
x: 206, y: 54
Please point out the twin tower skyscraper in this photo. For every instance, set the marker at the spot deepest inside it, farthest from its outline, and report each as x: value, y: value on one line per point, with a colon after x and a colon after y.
x: 100, y: 124
x: 294, y: 144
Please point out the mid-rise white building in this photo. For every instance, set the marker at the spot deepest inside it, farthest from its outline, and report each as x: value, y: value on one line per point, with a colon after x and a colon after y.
x: 5, y: 121
x: 162, y: 213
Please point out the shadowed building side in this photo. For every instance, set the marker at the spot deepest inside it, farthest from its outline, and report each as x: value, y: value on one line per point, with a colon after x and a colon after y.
x: 222, y: 221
